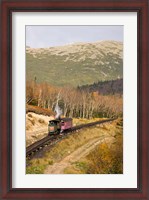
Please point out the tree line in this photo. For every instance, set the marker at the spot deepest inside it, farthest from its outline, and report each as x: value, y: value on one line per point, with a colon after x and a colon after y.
x: 73, y: 101
x: 105, y: 87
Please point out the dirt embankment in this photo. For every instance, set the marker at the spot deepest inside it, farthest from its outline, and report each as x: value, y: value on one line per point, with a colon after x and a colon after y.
x: 36, y: 127
x: 37, y: 123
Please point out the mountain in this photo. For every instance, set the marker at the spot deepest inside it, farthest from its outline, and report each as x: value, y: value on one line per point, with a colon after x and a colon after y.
x: 76, y: 64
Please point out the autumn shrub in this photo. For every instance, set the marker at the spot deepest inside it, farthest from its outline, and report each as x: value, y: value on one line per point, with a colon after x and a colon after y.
x: 106, y: 159
x: 32, y: 121
x: 50, y: 162
x: 41, y: 121
x: 35, y: 169
x: 29, y: 115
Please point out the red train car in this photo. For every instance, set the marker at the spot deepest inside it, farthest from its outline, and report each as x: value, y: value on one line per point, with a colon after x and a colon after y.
x: 66, y: 123
x: 57, y: 126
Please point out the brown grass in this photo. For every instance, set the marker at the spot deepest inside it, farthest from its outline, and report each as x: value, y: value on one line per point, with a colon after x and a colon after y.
x: 39, y: 110
x: 106, y: 158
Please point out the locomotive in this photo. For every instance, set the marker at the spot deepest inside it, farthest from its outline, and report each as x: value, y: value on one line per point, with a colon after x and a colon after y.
x: 57, y: 126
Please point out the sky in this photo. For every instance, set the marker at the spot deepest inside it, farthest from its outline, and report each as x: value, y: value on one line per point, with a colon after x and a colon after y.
x: 50, y: 36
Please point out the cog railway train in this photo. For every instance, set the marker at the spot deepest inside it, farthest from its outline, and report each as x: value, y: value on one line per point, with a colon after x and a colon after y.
x: 59, y: 125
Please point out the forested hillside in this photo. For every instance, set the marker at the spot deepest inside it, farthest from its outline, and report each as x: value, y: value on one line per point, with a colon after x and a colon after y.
x: 105, y: 87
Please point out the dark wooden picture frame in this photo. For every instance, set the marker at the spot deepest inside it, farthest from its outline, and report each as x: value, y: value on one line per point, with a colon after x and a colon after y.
x: 142, y: 9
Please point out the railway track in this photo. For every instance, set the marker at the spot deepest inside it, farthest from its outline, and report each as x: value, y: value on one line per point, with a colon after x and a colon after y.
x: 51, y: 140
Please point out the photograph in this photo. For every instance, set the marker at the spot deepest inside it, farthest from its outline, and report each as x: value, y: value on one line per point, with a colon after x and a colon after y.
x: 74, y: 99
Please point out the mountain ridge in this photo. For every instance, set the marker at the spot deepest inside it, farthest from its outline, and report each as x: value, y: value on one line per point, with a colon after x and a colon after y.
x: 76, y: 64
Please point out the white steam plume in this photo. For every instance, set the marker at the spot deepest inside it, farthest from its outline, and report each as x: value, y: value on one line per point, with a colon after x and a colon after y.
x: 58, y: 111
x: 57, y: 108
